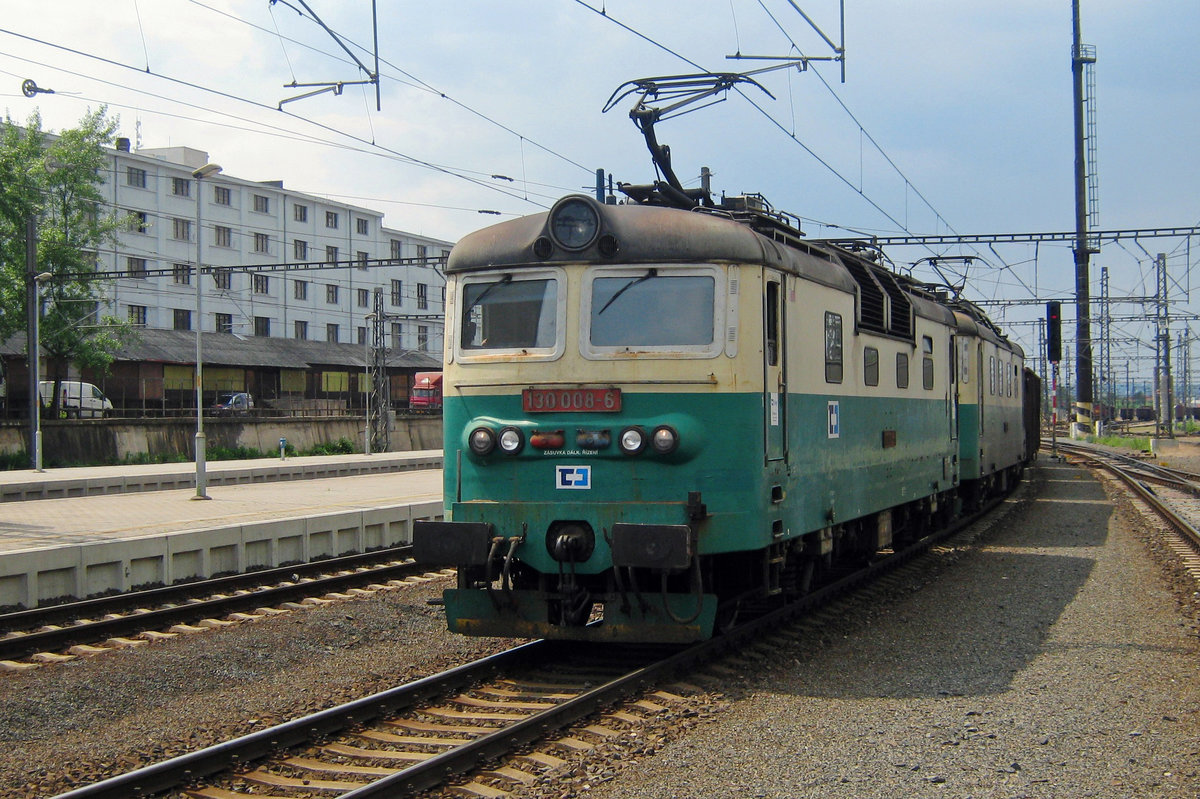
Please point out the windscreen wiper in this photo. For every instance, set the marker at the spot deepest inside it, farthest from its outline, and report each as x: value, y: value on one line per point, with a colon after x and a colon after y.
x: 487, y: 291
x: 626, y: 287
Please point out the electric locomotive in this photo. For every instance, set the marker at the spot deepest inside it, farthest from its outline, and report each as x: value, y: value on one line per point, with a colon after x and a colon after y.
x: 654, y: 416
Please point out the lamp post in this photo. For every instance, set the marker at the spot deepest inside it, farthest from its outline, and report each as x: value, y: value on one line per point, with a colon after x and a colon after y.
x: 201, y: 444
x: 367, y: 385
x: 35, y: 357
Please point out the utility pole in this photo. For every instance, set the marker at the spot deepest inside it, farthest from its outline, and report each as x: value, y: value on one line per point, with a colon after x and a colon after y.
x: 31, y: 305
x: 1162, y: 344
x: 1083, y: 333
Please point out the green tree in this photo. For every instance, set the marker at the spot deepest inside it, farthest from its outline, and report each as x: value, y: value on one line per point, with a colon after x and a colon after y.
x: 55, y: 179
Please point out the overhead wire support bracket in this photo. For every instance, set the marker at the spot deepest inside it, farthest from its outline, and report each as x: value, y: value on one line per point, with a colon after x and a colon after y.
x: 337, y: 86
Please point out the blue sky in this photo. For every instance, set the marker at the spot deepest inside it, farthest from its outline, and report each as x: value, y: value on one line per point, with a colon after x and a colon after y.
x: 971, y: 102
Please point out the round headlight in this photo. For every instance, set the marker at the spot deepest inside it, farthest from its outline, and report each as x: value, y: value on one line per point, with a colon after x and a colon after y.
x: 482, y: 441
x: 574, y: 223
x: 511, y: 440
x: 664, y: 440
x: 633, y: 440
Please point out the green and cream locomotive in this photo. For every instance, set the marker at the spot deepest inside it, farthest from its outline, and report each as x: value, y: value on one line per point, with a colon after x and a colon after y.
x: 653, y: 416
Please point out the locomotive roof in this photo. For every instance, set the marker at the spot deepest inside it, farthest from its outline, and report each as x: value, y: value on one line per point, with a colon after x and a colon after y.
x: 646, y: 234
x: 656, y: 234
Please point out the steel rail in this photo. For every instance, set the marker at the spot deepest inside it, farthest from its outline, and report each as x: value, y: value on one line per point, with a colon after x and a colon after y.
x: 20, y: 646
x: 436, y: 770
x: 1178, y: 523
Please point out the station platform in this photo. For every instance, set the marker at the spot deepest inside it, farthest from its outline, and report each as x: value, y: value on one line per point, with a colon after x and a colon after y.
x: 260, y: 514
x: 26, y: 484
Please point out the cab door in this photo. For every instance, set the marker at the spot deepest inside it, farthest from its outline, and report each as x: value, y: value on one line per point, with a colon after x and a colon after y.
x: 774, y: 366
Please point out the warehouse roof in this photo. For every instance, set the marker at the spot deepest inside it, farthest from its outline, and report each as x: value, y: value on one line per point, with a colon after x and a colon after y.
x: 229, y: 349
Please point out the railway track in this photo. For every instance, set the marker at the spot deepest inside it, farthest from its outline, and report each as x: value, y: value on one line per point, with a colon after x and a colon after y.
x: 63, y: 632
x: 487, y: 727
x: 1174, y: 497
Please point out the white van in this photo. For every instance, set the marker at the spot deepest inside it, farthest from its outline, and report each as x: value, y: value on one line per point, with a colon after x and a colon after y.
x: 76, y: 399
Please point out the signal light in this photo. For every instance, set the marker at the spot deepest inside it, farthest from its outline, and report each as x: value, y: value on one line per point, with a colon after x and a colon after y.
x: 1054, y: 331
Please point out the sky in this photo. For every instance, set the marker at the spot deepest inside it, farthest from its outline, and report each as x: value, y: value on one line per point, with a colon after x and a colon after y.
x: 953, y: 118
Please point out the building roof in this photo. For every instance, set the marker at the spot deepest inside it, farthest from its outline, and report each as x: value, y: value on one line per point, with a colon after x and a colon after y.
x: 228, y: 349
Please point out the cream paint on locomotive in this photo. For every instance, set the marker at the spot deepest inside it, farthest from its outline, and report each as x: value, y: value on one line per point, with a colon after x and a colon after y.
x: 990, y: 382
x: 729, y: 365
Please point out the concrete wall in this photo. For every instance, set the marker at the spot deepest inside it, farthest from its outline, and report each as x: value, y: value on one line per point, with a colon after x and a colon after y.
x: 97, y: 441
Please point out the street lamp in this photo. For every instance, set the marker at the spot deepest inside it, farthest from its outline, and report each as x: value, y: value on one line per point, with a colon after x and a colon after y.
x: 38, y: 279
x: 201, y: 444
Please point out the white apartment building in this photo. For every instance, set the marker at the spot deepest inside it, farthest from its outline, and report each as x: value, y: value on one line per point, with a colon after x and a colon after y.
x: 282, y: 244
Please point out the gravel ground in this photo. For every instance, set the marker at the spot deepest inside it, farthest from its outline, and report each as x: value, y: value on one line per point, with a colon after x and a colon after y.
x: 73, y: 723
x: 1055, y: 657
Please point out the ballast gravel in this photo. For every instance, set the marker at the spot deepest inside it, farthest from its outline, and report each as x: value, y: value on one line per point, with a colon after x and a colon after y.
x: 1055, y: 653
x: 1058, y: 655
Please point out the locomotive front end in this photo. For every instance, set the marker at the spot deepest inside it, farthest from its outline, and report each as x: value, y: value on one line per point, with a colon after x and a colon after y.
x: 591, y: 443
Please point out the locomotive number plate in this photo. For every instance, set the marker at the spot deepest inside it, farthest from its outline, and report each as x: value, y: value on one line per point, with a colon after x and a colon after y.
x: 544, y: 400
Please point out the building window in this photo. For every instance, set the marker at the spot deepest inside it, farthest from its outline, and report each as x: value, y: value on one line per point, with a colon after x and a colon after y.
x: 364, y: 298
x: 397, y: 291
x: 224, y: 322
x: 422, y: 252
x: 135, y: 177
x: 262, y: 203
x: 139, y: 221
x: 300, y: 249
x: 871, y: 366
x: 262, y: 242
x: 181, y: 187
x: 362, y: 226
x: 362, y: 335
x: 397, y: 249
x: 135, y: 267
x: 223, y: 236
x: 222, y: 195
x: 183, y: 229
x: 137, y: 315
x: 901, y: 370
x: 300, y: 213
x: 331, y: 293
x: 331, y: 333
x: 833, y: 347
x: 331, y: 255
x: 361, y: 257
x: 182, y: 273
x: 261, y: 284
x: 300, y: 289
x: 423, y: 338
x: 331, y: 219
x: 422, y: 297
x: 262, y: 326
x: 397, y: 336
x: 183, y: 319
x: 301, y: 329
x: 223, y: 279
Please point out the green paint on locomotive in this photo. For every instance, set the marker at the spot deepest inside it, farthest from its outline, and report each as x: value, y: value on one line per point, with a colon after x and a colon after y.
x: 886, y: 452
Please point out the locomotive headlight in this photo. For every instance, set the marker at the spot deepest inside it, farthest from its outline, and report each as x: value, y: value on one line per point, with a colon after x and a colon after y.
x: 633, y: 440
x: 482, y: 441
x: 664, y: 440
x: 511, y: 440
x: 574, y: 223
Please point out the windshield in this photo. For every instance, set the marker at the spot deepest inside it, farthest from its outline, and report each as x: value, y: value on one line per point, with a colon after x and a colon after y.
x: 648, y: 309
x: 506, y: 314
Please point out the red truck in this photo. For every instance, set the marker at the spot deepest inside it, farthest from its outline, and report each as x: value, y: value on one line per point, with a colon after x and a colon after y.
x: 426, y: 393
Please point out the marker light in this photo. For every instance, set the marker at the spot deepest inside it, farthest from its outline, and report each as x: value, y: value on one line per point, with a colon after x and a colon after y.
x: 633, y: 440
x: 511, y: 440
x: 482, y: 441
x: 664, y: 440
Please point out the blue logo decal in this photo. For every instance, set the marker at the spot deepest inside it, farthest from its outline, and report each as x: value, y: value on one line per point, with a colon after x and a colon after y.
x: 577, y: 477
x: 835, y: 420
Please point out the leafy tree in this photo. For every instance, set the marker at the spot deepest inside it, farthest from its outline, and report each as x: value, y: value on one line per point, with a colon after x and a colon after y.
x: 55, y: 179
